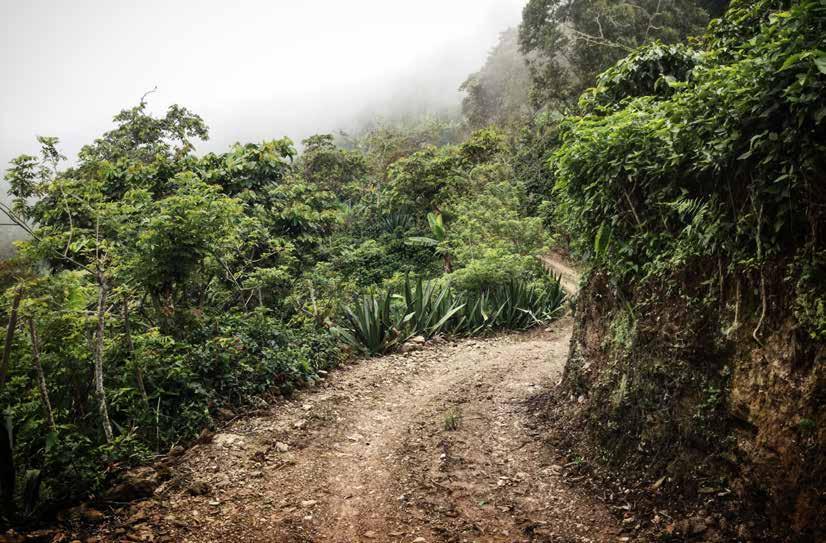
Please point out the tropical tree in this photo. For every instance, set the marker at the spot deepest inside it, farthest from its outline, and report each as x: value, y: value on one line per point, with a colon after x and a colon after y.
x: 437, y: 229
x: 498, y: 94
x: 568, y: 44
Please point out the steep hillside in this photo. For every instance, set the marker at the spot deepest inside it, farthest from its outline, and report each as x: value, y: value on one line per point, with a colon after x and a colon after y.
x: 693, y: 183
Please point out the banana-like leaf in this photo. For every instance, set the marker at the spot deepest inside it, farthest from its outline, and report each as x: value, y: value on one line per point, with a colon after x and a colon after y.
x: 422, y: 241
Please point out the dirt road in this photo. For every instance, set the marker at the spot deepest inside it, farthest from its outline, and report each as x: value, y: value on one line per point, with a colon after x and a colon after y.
x: 429, y: 446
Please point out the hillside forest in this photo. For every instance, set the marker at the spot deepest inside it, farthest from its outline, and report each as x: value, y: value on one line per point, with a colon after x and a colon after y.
x: 675, y: 150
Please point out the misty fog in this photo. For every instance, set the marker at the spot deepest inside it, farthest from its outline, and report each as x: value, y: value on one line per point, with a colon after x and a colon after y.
x: 253, y: 69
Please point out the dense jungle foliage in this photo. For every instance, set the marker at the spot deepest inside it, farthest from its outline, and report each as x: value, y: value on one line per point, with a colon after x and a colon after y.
x: 710, y: 159
x: 691, y: 178
x: 161, y: 287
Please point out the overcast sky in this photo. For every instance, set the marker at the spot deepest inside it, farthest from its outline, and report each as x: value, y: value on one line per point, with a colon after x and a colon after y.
x: 253, y: 69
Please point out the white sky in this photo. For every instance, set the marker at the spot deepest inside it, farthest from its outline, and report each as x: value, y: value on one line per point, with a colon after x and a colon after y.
x: 253, y: 69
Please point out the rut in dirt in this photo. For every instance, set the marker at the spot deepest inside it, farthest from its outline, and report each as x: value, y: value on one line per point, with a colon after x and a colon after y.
x: 429, y: 446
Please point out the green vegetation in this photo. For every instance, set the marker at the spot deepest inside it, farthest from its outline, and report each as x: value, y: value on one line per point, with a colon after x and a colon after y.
x: 160, y: 287
x: 713, y: 167
x: 684, y: 165
x: 568, y: 43
x: 690, y: 176
x: 453, y: 419
x: 380, y: 322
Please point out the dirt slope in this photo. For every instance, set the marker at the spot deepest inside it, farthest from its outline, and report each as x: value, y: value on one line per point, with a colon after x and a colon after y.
x: 560, y: 266
x: 433, y: 445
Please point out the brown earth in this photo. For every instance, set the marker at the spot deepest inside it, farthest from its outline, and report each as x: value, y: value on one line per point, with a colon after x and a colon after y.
x: 560, y: 266
x: 431, y: 445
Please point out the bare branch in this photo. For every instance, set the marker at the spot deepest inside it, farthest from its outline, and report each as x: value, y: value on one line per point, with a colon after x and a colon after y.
x: 651, y: 20
x: 147, y: 93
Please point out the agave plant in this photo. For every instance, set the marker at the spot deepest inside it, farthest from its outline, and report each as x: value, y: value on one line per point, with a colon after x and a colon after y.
x: 524, y: 306
x: 478, y: 315
x: 430, y: 305
x: 554, y: 298
x: 516, y: 306
x: 431, y: 308
x: 372, y: 327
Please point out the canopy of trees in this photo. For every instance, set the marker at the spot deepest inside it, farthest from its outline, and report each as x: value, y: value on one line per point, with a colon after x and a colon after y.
x: 160, y: 287
x: 569, y: 43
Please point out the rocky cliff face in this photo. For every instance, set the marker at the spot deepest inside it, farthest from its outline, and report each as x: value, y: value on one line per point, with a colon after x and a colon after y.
x: 675, y: 387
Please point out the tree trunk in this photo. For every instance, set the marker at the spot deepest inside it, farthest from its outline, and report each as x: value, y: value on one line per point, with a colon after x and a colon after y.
x: 7, y: 473
x: 4, y: 365
x: 127, y: 330
x: 100, y: 392
x: 448, y: 260
x: 41, y: 378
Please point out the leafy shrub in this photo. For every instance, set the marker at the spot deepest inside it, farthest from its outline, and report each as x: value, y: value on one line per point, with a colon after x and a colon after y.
x: 493, y: 267
x: 810, y: 300
x: 656, y: 69
x: 724, y: 167
x: 491, y: 240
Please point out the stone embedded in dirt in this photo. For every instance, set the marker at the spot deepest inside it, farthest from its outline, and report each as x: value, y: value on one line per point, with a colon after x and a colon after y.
x: 419, y: 340
x: 697, y: 525
x: 308, y: 503
x: 74, y: 514
x: 91, y: 515
x: 135, y: 484
x: 409, y: 347
x: 299, y: 424
x: 370, y: 534
x: 140, y: 516
x: 228, y: 441
x: 281, y: 447
x: 198, y: 488
x: 259, y: 456
x: 225, y: 413
x: 420, y: 540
